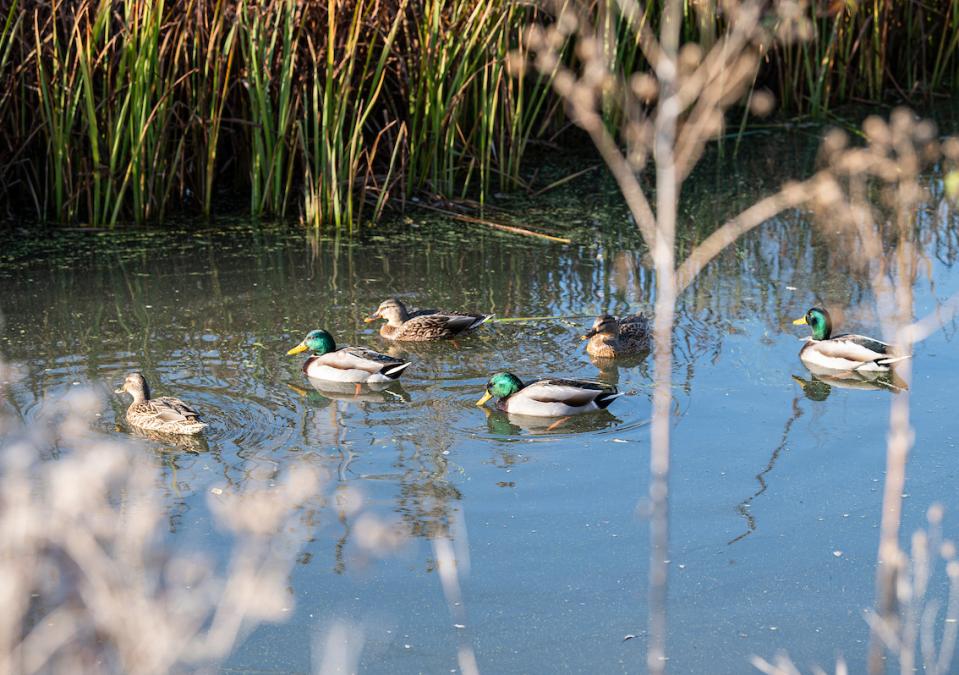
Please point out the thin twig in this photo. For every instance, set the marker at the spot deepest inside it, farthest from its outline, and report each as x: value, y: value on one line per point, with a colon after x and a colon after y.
x: 564, y: 180
x: 512, y: 229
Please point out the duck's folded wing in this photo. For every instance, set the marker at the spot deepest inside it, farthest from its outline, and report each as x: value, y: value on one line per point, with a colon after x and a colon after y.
x: 636, y: 325
x: 460, y: 321
x: 359, y: 358
x: 174, y: 410
x: 422, y: 312
x: 571, y: 392
x: 854, y: 348
x: 435, y: 323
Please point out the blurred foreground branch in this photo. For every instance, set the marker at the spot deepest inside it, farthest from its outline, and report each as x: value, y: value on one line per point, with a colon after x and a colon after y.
x: 90, y: 584
x: 868, y: 194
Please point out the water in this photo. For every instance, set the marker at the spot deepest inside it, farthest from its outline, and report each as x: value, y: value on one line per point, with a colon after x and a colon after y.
x: 776, y: 487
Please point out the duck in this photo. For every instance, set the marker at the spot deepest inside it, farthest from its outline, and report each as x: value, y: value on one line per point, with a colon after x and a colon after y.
x: 611, y: 337
x: 551, y: 397
x: 425, y: 324
x: 166, y: 414
x: 840, y: 353
x: 358, y: 365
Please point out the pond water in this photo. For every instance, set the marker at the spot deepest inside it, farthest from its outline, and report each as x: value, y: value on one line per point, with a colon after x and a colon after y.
x: 776, y: 480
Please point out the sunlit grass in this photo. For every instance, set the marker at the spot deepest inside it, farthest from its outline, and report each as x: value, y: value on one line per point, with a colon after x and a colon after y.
x: 339, y: 145
x: 119, y: 110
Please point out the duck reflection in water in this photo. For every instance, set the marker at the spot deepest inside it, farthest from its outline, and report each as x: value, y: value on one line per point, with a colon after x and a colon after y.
x: 172, y: 443
x: 820, y: 384
x: 501, y: 423
x: 325, y: 391
x: 609, y: 369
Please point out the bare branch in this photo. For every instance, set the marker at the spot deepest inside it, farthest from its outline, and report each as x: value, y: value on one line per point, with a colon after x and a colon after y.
x: 790, y: 196
x: 663, y: 252
x: 932, y: 322
x: 628, y: 182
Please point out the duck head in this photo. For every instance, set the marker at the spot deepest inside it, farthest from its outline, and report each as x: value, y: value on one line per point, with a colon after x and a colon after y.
x: 317, y: 342
x: 603, y: 325
x: 817, y: 319
x: 135, y: 385
x: 501, y: 385
x: 390, y: 309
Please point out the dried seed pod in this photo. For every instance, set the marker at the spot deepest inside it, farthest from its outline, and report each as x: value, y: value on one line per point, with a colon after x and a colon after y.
x: 762, y: 102
x: 644, y: 86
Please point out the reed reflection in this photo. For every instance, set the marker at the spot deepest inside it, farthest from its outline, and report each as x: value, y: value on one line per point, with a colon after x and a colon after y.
x: 744, y: 507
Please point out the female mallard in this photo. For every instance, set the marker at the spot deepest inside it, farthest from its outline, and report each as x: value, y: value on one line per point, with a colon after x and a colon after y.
x: 424, y: 324
x: 347, y: 364
x: 611, y: 337
x: 842, y: 352
x: 548, y: 398
x: 166, y: 414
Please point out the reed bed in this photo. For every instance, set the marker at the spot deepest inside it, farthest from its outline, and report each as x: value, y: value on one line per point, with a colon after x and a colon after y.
x: 128, y: 110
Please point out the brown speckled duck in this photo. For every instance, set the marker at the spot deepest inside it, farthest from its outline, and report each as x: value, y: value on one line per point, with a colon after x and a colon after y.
x: 611, y: 337
x: 166, y: 414
x: 423, y: 325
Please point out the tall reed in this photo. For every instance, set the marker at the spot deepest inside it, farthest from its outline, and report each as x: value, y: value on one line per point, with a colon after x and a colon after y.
x: 339, y: 149
x: 452, y: 51
x: 105, y: 84
x: 57, y: 75
x: 10, y: 26
x: 869, y: 52
x: 270, y: 38
x: 119, y: 110
x: 210, y: 52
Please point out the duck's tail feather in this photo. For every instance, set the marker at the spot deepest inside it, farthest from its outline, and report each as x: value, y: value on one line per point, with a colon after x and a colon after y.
x: 882, y: 363
x: 480, y: 320
x: 603, y: 400
x: 394, y: 370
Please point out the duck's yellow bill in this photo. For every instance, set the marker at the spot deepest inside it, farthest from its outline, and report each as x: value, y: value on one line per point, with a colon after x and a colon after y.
x: 297, y: 349
x: 583, y: 337
x: 369, y: 319
x: 487, y: 396
x: 800, y: 322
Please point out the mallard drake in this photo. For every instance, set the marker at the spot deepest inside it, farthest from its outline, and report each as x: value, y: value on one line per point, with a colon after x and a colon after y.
x: 347, y: 364
x: 424, y: 324
x: 166, y: 414
x: 611, y: 337
x: 842, y: 352
x: 549, y: 397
